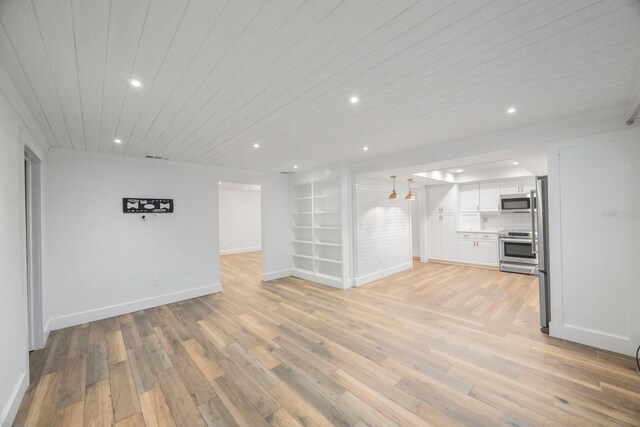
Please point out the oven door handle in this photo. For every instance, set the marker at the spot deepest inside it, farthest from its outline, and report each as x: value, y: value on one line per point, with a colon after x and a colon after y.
x: 515, y: 240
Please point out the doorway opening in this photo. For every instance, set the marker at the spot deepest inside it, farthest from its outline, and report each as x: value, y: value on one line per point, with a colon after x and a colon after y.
x: 240, y: 226
x: 33, y: 214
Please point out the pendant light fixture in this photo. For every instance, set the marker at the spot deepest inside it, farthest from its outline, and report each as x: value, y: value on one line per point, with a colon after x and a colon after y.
x: 394, y: 194
x: 410, y: 195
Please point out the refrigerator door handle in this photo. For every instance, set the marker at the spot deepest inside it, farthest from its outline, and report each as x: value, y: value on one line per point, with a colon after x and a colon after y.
x: 534, y: 245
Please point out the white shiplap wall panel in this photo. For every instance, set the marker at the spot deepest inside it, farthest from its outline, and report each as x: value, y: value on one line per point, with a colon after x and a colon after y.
x: 230, y: 25
x: 415, y: 112
x: 254, y: 41
x: 19, y: 22
x: 284, y: 95
x: 12, y: 66
x: 221, y: 75
x: 338, y: 20
x: 126, y: 23
x: 91, y: 25
x: 55, y: 22
x: 163, y: 20
x: 199, y: 20
x: 383, y: 229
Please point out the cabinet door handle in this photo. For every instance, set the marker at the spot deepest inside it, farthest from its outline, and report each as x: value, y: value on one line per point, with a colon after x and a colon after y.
x: 477, y: 207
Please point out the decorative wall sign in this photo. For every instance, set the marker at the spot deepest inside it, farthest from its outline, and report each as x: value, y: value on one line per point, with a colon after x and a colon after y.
x: 130, y: 205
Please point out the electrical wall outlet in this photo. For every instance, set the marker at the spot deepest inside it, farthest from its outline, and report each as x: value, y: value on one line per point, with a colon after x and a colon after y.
x: 156, y: 283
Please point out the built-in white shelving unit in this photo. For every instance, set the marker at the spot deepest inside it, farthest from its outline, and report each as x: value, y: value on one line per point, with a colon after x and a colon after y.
x: 317, y: 230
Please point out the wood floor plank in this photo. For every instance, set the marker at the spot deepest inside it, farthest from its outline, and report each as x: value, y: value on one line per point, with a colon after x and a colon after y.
x: 282, y: 418
x: 434, y: 345
x: 70, y: 416
x: 183, y: 409
x: 244, y: 413
x: 98, y: 407
x: 155, y: 409
x: 123, y: 392
x: 73, y: 381
x: 215, y: 414
x: 193, y: 379
x: 143, y: 375
x: 116, y: 350
x: 44, y: 405
x: 97, y: 363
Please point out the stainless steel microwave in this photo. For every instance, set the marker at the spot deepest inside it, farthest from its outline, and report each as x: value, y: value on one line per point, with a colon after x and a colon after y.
x: 516, y: 203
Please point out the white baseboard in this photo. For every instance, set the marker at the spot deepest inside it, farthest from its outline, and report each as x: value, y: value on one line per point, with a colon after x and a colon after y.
x: 15, y: 399
x: 128, y: 307
x: 382, y: 273
x: 240, y: 250
x: 275, y: 275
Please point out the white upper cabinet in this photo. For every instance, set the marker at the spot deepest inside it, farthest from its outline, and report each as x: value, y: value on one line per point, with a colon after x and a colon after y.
x: 469, y: 197
x: 449, y: 203
x: 528, y: 184
x: 434, y: 198
x: 490, y: 196
x: 522, y: 185
x: 441, y: 199
x: 509, y: 187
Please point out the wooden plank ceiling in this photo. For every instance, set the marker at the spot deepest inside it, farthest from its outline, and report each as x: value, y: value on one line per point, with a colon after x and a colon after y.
x: 220, y: 76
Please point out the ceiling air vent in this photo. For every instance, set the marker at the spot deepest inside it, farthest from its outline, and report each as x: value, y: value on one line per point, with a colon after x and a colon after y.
x: 156, y: 157
x: 288, y: 173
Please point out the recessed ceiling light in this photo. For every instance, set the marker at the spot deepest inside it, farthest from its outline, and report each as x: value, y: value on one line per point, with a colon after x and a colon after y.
x: 511, y: 110
x: 365, y: 148
x: 354, y: 99
x: 219, y: 182
x: 459, y: 170
x: 135, y: 83
x: 295, y: 166
x: 515, y: 163
x: 256, y: 145
x: 117, y: 141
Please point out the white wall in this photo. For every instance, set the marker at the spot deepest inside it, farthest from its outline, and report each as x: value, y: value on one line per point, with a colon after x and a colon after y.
x: 594, y: 237
x: 102, y: 262
x: 383, y: 230
x: 14, y: 365
x: 239, y: 221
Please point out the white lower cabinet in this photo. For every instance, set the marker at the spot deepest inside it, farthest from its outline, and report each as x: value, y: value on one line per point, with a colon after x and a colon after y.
x: 441, y: 237
x: 478, y: 248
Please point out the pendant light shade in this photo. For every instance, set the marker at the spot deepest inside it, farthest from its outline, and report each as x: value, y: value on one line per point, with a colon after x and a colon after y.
x: 394, y: 194
x: 410, y: 195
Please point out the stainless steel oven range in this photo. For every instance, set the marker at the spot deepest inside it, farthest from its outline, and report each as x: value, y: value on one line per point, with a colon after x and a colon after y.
x: 517, y: 253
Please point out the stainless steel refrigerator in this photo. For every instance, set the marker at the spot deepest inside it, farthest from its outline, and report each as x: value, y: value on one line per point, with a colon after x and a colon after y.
x: 540, y: 232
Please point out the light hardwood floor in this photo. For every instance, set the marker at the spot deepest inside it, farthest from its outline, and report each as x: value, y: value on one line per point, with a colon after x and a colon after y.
x: 438, y: 344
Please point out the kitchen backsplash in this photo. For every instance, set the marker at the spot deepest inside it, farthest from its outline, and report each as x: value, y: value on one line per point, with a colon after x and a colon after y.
x: 512, y: 221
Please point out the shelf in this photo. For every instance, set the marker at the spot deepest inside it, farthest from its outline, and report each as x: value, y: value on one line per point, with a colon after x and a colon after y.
x: 320, y: 196
x: 329, y: 260
x: 302, y: 241
x: 327, y: 212
x: 329, y: 277
x: 304, y: 198
x: 301, y: 226
x: 301, y: 270
x: 328, y: 228
x: 303, y: 256
x: 329, y: 244
x: 301, y: 213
